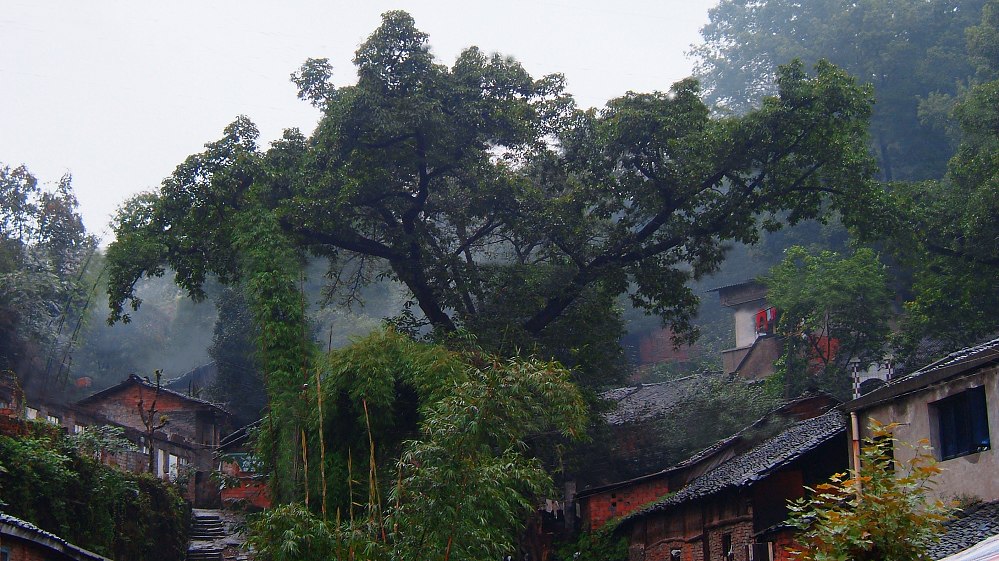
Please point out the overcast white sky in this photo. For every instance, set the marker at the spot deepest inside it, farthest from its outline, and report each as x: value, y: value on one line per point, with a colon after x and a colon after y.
x: 119, y: 92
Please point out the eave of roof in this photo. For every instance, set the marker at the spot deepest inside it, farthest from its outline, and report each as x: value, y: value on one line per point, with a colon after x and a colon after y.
x: 133, y: 379
x: 709, y: 451
x: 949, y: 366
x: 14, y: 526
x: 748, y: 282
x: 757, y: 463
x: 974, y: 526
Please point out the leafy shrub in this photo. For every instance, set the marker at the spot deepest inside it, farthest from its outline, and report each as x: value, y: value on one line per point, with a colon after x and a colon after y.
x: 54, y: 482
x: 878, y: 514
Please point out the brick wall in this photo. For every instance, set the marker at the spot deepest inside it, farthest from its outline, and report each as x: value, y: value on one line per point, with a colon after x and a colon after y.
x: 12, y: 426
x: 250, y: 491
x: 25, y: 551
x: 739, y: 531
x: 21, y: 549
x: 598, y: 508
x: 655, y: 537
x: 123, y: 408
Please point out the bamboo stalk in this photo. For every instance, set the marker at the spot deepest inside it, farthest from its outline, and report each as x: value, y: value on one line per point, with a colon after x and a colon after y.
x: 322, y: 442
x: 305, y: 465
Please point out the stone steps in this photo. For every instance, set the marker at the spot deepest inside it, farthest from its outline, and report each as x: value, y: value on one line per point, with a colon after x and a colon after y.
x: 205, y: 528
x: 204, y: 555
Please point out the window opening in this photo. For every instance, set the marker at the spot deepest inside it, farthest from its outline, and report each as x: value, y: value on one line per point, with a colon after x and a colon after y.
x: 962, y: 424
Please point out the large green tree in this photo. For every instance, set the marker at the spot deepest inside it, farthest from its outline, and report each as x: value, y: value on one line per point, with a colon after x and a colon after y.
x: 908, y: 50
x: 44, y: 250
x: 834, y: 311
x: 497, y: 204
x: 946, y: 230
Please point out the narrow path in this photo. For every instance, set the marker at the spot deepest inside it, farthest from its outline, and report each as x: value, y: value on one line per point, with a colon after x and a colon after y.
x: 216, y: 535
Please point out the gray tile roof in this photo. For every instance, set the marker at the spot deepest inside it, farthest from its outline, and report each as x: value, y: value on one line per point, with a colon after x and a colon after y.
x: 957, y: 357
x: 25, y: 525
x: 760, y: 461
x: 954, y: 363
x: 649, y: 401
x: 27, y: 530
x: 146, y: 383
x: 974, y: 526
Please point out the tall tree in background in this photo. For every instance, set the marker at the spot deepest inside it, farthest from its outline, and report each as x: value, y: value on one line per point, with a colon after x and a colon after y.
x: 946, y: 230
x: 238, y: 383
x: 909, y: 50
x: 497, y: 203
x: 44, y: 250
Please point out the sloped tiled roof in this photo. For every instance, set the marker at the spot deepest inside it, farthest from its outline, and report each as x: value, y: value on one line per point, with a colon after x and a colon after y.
x: 27, y: 530
x: 760, y: 461
x: 956, y: 357
x: 771, y: 422
x: 954, y: 363
x: 972, y: 528
x: 648, y: 401
x: 133, y: 379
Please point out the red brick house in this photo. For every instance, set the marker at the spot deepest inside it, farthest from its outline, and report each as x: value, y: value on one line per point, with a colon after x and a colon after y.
x: 736, y: 511
x: 23, y: 541
x: 189, y: 437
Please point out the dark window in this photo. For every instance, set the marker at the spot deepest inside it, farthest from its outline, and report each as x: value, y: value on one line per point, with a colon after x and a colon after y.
x: 962, y: 424
x: 4, y: 554
x: 761, y: 551
x: 727, y: 552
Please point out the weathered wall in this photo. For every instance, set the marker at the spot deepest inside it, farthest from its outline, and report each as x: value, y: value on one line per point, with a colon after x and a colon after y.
x: 971, y: 475
x: 184, y: 421
x: 598, y: 508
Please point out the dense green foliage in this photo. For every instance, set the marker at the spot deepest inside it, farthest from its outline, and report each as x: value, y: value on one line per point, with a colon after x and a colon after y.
x: 911, y: 51
x: 880, y: 513
x: 56, y: 483
x: 601, y: 545
x: 284, y: 349
x: 422, y: 454
x: 834, y: 311
x: 497, y: 204
x: 44, y: 252
x: 945, y: 231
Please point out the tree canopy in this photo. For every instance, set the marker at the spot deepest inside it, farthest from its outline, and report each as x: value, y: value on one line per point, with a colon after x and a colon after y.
x: 945, y: 231
x: 911, y: 51
x: 499, y: 205
x: 834, y: 310
x: 44, y: 250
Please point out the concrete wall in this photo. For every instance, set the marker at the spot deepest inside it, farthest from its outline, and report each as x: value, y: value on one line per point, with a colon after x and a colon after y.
x: 969, y: 475
x: 745, y: 321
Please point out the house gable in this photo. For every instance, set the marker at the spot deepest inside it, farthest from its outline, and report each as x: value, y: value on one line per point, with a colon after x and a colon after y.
x: 953, y: 404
